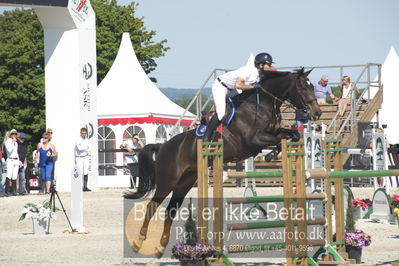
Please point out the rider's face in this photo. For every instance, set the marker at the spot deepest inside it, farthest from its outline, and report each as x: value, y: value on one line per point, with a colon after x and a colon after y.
x: 266, y: 67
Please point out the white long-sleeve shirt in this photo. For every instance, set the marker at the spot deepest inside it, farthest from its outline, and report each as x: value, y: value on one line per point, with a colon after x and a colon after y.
x: 11, y: 148
x: 82, y: 147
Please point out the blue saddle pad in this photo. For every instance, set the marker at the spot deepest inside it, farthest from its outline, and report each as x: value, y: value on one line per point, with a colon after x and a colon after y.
x: 230, y: 115
x: 200, y: 131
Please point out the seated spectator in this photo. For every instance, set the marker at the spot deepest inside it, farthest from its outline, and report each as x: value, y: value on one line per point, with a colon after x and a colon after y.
x: 344, y: 97
x: 321, y: 89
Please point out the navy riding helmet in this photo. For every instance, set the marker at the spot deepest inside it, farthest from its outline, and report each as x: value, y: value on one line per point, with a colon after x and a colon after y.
x: 263, y: 58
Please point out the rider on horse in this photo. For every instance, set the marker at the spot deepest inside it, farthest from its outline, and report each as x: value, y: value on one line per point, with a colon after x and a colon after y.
x: 244, y: 78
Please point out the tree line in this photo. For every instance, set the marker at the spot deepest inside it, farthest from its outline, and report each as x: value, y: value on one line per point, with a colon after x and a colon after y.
x: 22, y: 93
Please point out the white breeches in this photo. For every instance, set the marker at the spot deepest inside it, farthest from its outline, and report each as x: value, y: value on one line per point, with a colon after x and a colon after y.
x: 12, y: 168
x: 219, y: 93
x: 83, y: 164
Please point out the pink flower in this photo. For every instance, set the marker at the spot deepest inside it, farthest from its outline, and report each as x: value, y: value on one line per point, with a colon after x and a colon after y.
x: 363, y: 203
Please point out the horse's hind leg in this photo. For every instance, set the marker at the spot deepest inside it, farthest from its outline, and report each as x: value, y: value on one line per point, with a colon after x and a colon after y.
x: 152, y: 207
x: 179, y: 192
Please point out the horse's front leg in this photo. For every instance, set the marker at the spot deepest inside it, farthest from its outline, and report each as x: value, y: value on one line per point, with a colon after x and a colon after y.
x: 265, y: 140
x: 286, y: 133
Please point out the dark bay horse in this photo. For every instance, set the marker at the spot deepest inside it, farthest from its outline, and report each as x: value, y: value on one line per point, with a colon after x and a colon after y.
x: 172, y: 166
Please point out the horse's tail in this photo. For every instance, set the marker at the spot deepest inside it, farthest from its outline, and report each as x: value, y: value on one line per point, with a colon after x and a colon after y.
x: 146, y: 171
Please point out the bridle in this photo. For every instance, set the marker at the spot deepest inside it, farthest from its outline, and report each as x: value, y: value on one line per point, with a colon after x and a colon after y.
x: 290, y: 104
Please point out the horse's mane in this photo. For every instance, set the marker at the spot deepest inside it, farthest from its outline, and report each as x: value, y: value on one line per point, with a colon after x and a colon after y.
x: 268, y: 75
x: 265, y: 76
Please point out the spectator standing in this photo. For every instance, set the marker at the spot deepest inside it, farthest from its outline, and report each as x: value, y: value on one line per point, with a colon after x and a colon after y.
x: 11, y: 146
x: 22, y: 150
x: 131, y: 145
x: 3, y: 164
x: 321, y: 89
x: 82, y: 156
x: 344, y: 96
x: 45, y: 157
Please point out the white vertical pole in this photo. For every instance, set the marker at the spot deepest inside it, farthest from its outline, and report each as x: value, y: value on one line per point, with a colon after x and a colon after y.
x: 249, y: 166
x: 77, y: 200
x: 373, y: 148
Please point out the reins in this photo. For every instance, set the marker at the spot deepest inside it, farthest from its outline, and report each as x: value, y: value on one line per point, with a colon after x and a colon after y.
x: 278, y: 99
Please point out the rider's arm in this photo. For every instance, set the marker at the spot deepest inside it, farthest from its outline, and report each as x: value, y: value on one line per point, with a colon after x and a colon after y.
x: 240, y: 84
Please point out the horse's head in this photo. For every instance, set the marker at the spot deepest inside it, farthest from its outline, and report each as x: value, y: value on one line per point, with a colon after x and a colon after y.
x: 302, y: 95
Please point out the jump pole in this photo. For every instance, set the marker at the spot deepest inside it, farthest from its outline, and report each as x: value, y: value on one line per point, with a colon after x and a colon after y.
x: 293, y: 154
x: 215, y: 151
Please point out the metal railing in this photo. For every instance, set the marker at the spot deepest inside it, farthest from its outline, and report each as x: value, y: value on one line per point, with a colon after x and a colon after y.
x: 354, y: 102
x: 334, y: 71
x: 197, y: 99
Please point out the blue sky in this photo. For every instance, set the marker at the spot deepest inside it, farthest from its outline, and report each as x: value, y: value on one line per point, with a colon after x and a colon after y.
x: 209, y: 34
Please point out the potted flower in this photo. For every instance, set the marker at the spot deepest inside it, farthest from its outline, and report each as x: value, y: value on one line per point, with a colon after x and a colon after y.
x: 191, y: 255
x: 355, y: 240
x: 40, y: 214
x: 361, y: 207
x: 190, y: 251
x: 396, y: 214
x: 395, y: 207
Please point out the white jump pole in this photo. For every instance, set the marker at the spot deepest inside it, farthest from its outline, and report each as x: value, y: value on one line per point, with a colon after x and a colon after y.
x: 249, y: 166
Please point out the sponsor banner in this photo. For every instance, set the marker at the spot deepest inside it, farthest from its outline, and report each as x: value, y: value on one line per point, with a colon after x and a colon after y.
x: 80, y: 10
x: 380, y: 151
x: 317, y: 154
x: 87, y: 97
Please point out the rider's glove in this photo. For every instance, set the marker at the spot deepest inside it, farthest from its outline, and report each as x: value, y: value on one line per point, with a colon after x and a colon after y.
x: 256, y: 85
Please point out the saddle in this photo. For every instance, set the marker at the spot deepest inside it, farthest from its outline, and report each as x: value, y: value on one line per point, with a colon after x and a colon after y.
x: 206, y: 117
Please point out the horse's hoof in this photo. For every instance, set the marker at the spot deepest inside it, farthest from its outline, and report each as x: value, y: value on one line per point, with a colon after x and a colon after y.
x: 268, y: 158
x: 136, y: 245
x: 159, y: 251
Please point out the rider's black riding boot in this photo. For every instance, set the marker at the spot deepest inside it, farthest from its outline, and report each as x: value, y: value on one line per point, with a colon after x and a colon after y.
x: 211, y: 127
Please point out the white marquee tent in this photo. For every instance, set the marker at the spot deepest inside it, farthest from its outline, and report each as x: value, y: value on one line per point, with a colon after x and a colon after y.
x: 128, y: 102
x: 390, y: 81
